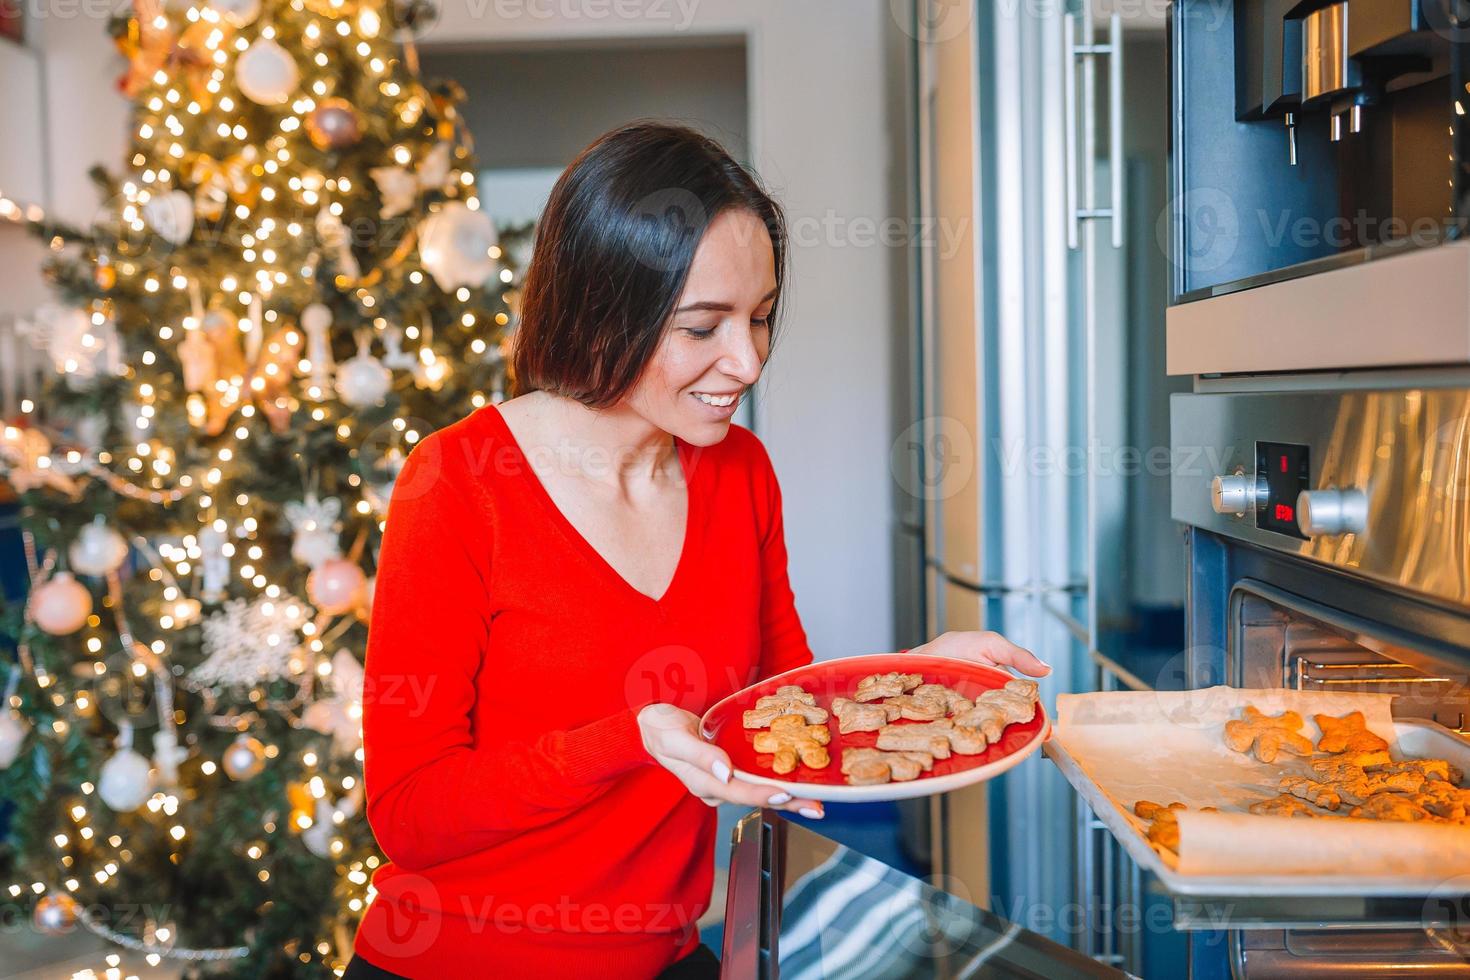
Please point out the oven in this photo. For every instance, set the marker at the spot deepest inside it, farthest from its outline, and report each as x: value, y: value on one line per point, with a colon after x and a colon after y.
x: 1328, y: 535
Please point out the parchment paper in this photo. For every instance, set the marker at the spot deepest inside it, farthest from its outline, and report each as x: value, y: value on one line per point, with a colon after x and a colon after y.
x: 1169, y: 745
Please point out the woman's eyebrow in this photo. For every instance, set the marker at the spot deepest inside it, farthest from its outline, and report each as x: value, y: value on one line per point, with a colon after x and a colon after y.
x: 714, y: 307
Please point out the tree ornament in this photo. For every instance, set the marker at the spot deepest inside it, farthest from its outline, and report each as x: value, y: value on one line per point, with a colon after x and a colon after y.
x: 236, y: 13
x: 266, y: 73
x: 61, y: 604
x: 363, y: 380
x: 334, y: 125
x: 98, y: 549
x: 79, y: 348
x: 13, y: 731
x: 316, y: 320
x: 339, y: 713
x: 214, y: 563
x: 55, y: 914
x: 26, y: 461
x: 167, y: 754
x: 399, y: 188
x: 335, y: 586
x: 396, y: 358
x: 171, y: 215
x: 316, y: 525
x: 332, y: 233
x: 455, y: 244
x: 126, y: 780
x: 244, y: 759
x: 248, y: 643
x: 318, y: 837
x: 197, y: 355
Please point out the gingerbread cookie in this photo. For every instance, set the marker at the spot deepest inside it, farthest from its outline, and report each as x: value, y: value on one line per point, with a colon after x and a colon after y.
x: 1439, y: 770
x: 1318, y: 794
x: 790, y: 738
x: 1444, y: 800
x: 932, y: 738
x: 788, y: 700
x: 1344, y: 765
x: 1347, y: 734
x: 1283, y: 806
x: 1390, y: 806
x: 1356, y: 791
x: 954, y: 701
x: 917, y: 707
x: 868, y: 767
x: 855, y: 717
x: 984, y: 717
x: 1267, y: 736
x: 876, y: 687
x: 1148, y: 810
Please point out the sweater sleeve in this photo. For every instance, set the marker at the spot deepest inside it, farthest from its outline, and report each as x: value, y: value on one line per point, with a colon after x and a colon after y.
x: 434, y: 791
x: 783, y: 641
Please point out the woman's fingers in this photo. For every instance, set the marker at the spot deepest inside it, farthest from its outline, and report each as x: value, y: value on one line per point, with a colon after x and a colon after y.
x: 713, y: 792
x: 987, y: 646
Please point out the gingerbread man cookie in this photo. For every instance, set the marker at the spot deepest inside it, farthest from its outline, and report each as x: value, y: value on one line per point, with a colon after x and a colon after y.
x: 876, y: 687
x: 855, y: 717
x: 1267, y: 736
x: 869, y: 767
x: 1283, y: 806
x: 788, y: 700
x: 790, y: 738
x: 1314, y: 792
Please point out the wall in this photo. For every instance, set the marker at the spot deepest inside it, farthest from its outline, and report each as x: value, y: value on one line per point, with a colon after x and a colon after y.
x: 826, y: 136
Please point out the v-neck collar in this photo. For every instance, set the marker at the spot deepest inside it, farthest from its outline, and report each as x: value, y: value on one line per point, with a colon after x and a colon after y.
x: 687, y: 459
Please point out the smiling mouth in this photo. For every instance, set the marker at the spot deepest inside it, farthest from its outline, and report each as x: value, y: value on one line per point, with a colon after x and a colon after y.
x: 717, y: 401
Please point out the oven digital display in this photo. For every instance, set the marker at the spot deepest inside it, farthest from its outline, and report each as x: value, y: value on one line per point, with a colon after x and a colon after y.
x: 1285, y: 470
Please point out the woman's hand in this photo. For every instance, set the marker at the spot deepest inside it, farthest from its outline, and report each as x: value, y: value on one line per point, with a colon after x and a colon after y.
x: 671, y: 736
x: 986, y: 647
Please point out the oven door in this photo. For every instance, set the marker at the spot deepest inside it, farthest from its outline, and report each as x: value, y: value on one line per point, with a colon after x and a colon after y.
x: 1378, y: 602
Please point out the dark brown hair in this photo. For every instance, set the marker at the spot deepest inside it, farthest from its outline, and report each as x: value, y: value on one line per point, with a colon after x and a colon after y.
x: 612, y: 255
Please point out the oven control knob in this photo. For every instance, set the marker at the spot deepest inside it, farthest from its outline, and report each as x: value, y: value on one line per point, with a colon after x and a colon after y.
x: 1234, y: 494
x: 1331, y: 511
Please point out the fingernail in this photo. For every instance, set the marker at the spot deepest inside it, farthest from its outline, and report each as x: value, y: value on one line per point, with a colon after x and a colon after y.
x: 810, y: 813
x: 778, y: 799
x: 721, y: 771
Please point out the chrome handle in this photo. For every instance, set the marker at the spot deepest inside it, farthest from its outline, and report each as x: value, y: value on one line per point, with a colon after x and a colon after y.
x: 1076, y: 51
x: 1115, y: 123
x: 1069, y: 32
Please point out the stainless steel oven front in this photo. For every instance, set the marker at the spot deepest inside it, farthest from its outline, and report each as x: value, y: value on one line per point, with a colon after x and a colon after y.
x: 1329, y: 548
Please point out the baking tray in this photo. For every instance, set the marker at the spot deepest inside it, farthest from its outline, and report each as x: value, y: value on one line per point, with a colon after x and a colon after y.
x: 1417, y: 739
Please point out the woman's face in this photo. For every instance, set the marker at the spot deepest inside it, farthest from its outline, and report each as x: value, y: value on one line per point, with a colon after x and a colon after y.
x: 718, y: 337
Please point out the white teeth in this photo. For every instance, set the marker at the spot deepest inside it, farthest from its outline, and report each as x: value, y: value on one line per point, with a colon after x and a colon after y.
x: 718, y: 401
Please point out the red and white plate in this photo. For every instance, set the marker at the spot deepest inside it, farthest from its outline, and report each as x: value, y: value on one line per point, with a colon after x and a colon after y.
x: 829, y: 679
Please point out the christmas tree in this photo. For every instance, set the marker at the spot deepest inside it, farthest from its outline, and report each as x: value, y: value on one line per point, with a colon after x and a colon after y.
x: 291, y: 283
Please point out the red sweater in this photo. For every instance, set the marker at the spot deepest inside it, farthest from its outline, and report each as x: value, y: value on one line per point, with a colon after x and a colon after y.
x: 528, y: 830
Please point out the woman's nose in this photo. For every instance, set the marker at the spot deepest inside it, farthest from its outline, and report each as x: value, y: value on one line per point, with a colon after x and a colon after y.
x: 741, y: 360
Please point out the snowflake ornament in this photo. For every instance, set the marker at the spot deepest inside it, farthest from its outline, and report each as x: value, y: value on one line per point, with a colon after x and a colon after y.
x: 249, y: 643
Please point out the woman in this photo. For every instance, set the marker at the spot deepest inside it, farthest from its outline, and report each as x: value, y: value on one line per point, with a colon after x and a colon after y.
x: 567, y: 579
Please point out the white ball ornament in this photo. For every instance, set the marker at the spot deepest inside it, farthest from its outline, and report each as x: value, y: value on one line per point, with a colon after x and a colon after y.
x: 363, y: 380
x: 13, y: 731
x: 244, y: 759
x: 318, y: 837
x: 454, y: 245
x: 126, y: 780
x: 61, y: 604
x: 171, y: 215
x: 98, y: 549
x: 266, y: 73
x: 236, y: 13
x: 336, y: 585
